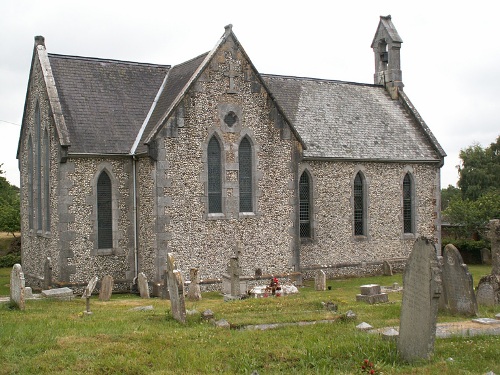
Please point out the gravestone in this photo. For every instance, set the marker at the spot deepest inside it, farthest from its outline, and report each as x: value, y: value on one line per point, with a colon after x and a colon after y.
x: 142, y: 285
x: 387, y: 268
x: 232, y: 285
x: 106, y: 288
x: 47, y: 274
x: 175, y: 285
x: 488, y: 290
x: 372, y: 293
x: 485, y: 256
x: 17, y: 286
x: 458, y: 288
x: 194, y: 292
x: 421, y: 290
x: 320, y: 280
x: 87, y: 293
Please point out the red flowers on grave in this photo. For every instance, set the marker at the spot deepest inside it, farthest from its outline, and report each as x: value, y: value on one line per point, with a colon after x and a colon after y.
x: 367, y: 367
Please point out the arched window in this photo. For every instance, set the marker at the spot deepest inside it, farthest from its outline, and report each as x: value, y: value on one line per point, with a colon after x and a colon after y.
x: 214, y: 176
x: 104, y: 212
x: 408, y: 216
x: 359, y: 205
x: 30, y: 183
x: 38, y: 129
x: 46, y: 179
x: 245, y: 175
x: 305, y: 205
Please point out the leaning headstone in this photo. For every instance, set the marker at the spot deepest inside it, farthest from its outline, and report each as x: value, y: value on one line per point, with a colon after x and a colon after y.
x: 47, y: 274
x: 142, y: 284
x: 458, y: 288
x: 176, y: 290
x: 194, y: 292
x: 387, y: 268
x: 107, y: 283
x: 87, y: 293
x: 17, y: 287
x: 320, y: 280
x: 421, y: 290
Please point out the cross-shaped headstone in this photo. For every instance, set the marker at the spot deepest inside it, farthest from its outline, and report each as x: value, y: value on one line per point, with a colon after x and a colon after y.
x: 232, y: 74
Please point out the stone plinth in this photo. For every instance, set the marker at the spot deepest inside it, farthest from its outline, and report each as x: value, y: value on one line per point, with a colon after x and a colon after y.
x: 371, y: 293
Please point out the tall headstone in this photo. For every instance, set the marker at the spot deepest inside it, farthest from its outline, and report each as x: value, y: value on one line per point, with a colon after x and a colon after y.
x: 194, y: 292
x: 320, y: 280
x: 175, y: 285
x: 47, y: 273
x: 421, y: 290
x: 106, y: 288
x: 458, y: 288
x: 142, y: 284
x: 17, y: 286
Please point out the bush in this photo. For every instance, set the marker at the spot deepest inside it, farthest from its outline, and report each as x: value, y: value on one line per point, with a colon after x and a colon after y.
x: 7, y: 261
x: 469, y: 249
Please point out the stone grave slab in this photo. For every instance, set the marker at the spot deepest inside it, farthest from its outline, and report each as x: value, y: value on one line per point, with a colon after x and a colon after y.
x: 458, y: 295
x: 58, y: 293
x: 486, y: 321
x: 107, y: 283
x: 17, y: 287
x: 421, y: 291
x: 142, y: 285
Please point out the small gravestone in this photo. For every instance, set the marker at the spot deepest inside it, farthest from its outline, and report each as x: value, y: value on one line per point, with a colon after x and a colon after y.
x: 320, y: 280
x: 486, y: 256
x: 28, y: 293
x: 458, y: 288
x: 207, y: 314
x: 87, y: 293
x: 175, y: 285
x: 421, y: 290
x: 387, y: 268
x: 371, y: 293
x: 47, y: 274
x: 364, y: 326
x: 486, y: 291
x: 106, y: 288
x: 390, y: 335
x: 194, y: 292
x: 494, y: 236
x: 142, y: 285
x: 232, y: 285
x: 17, y: 287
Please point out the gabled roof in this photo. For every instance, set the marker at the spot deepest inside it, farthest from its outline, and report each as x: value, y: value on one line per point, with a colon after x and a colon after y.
x: 342, y: 120
x: 385, y: 26
x: 104, y: 102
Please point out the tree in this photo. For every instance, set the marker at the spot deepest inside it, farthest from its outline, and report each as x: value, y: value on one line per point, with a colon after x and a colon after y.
x: 448, y: 194
x: 10, y: 218
x: 479, y: 171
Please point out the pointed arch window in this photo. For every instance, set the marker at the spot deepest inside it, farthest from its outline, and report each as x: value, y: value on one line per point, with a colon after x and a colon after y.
x: 214, y: 176
x: 30, y: 183
x: 359, y: 205
x: 245, y: 175
x: 408, y: 211
x: 305, y: 205
x: 46, y: 179
x: 104, y: 212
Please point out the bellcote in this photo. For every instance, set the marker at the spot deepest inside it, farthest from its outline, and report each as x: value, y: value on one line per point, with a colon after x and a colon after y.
x: 386, y: 47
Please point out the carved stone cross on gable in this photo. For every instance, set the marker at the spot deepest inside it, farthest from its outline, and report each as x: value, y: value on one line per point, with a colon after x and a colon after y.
x: 231, y: 74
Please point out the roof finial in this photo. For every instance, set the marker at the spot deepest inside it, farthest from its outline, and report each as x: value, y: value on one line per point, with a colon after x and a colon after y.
x: 39, y: 40
x: 229, y: 30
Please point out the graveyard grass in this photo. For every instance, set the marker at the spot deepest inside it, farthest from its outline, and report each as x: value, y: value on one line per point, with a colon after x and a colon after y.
x: 56, y: 337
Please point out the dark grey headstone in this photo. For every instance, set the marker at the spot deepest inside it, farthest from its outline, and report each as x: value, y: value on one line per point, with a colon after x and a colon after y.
x: 486, y: 293
x: 17, y: 286
x: 458, y: 288
x: 421, y: 290
x: 175, y: 285
x: 47, y: 273
x: 106, y: 288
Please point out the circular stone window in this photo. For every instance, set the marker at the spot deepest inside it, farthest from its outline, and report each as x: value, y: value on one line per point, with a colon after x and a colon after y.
x: 230, y: 119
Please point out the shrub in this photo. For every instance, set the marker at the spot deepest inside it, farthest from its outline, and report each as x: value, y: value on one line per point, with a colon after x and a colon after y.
x: 469, y: 249
x: 9, y: 260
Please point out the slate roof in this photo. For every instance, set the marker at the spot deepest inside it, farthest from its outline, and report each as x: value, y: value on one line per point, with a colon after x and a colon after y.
x: 342, y: 120
x: 177, y: 78
x: 104, y: 102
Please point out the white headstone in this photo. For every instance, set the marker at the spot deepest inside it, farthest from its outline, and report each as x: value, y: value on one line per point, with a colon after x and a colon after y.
x: 17, y: 286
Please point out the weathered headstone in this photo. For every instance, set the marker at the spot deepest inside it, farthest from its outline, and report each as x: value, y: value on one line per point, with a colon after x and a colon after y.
x: 88, y: 292
x: 17, y: 286
x: 47, y: 274
x: 194, y: 292
x: 320, y: 280
x: 372, y: 293
x: 142, y: 285
x: 458, y: 288
x: 175, y: 285
x: 421, y: 290
x: 107, y: 283
x: 232, y: 285
x: 494, y: 236
x: 485, y: 256
x: 488, y: 290
x: 387, y: 268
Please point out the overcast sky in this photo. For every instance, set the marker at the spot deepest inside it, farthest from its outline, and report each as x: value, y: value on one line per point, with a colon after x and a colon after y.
x: 450, y: 55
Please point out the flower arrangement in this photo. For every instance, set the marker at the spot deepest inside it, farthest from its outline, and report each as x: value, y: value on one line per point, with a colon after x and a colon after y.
x: 367, y: 367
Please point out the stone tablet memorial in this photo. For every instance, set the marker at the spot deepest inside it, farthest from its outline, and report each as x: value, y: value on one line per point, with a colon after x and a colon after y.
x: 17, y: 286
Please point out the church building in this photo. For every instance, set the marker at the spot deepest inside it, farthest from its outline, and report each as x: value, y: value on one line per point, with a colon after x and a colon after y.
x: 124, y: 162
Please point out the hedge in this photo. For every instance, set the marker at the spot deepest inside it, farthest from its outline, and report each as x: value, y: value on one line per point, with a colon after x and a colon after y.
x: 9, y: 260
x: 469, y: 249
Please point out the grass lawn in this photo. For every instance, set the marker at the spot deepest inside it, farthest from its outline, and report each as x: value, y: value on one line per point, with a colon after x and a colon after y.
x: 55, y: 337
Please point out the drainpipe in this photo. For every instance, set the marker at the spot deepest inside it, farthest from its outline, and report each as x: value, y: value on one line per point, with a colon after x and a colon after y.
x: 136, y: 237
